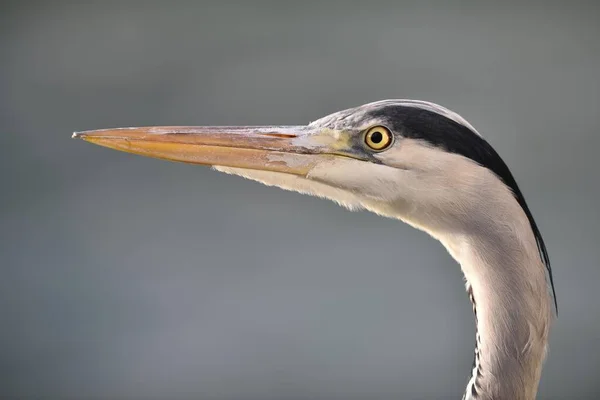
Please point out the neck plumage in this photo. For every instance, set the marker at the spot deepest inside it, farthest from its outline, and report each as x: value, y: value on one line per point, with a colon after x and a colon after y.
x: 506, y: 282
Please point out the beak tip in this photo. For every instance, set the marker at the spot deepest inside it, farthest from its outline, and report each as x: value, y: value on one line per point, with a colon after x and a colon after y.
x: 78, y: 135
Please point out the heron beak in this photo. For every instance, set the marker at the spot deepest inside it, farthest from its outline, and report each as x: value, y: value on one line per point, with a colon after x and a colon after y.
x: 288, y: 149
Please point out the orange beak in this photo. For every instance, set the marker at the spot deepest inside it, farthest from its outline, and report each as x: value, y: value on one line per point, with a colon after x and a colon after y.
x: 288, y: 149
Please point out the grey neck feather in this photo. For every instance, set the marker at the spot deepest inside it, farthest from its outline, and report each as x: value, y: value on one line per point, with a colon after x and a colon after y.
x: 507, y: 285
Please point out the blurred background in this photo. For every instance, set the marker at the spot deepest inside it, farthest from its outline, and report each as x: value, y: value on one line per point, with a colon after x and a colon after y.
x: 124, y: 277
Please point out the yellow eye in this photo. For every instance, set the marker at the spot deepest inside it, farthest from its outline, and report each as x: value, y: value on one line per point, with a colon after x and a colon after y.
x: 378, y: 138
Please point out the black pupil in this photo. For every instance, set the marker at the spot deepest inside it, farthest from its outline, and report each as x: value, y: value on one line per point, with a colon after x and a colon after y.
x: 376, y: 137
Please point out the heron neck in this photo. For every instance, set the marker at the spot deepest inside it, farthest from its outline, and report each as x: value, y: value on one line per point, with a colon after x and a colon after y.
x: 507, y: 284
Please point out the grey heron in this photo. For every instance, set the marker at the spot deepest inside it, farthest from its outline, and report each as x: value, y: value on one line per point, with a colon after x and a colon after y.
x: 422, y: 164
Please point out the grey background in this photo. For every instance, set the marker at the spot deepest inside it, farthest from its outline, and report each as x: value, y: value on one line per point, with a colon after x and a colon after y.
x: 125, y: 277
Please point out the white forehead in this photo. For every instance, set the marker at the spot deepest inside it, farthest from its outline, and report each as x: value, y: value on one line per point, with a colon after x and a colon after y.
x: 353, y: 116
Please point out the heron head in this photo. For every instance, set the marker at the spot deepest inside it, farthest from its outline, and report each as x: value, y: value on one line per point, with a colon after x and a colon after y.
x: 390, y: 156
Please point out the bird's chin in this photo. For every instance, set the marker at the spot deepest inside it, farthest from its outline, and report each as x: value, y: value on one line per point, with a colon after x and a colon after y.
x: 346, y: 181
x: 298, y: 184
